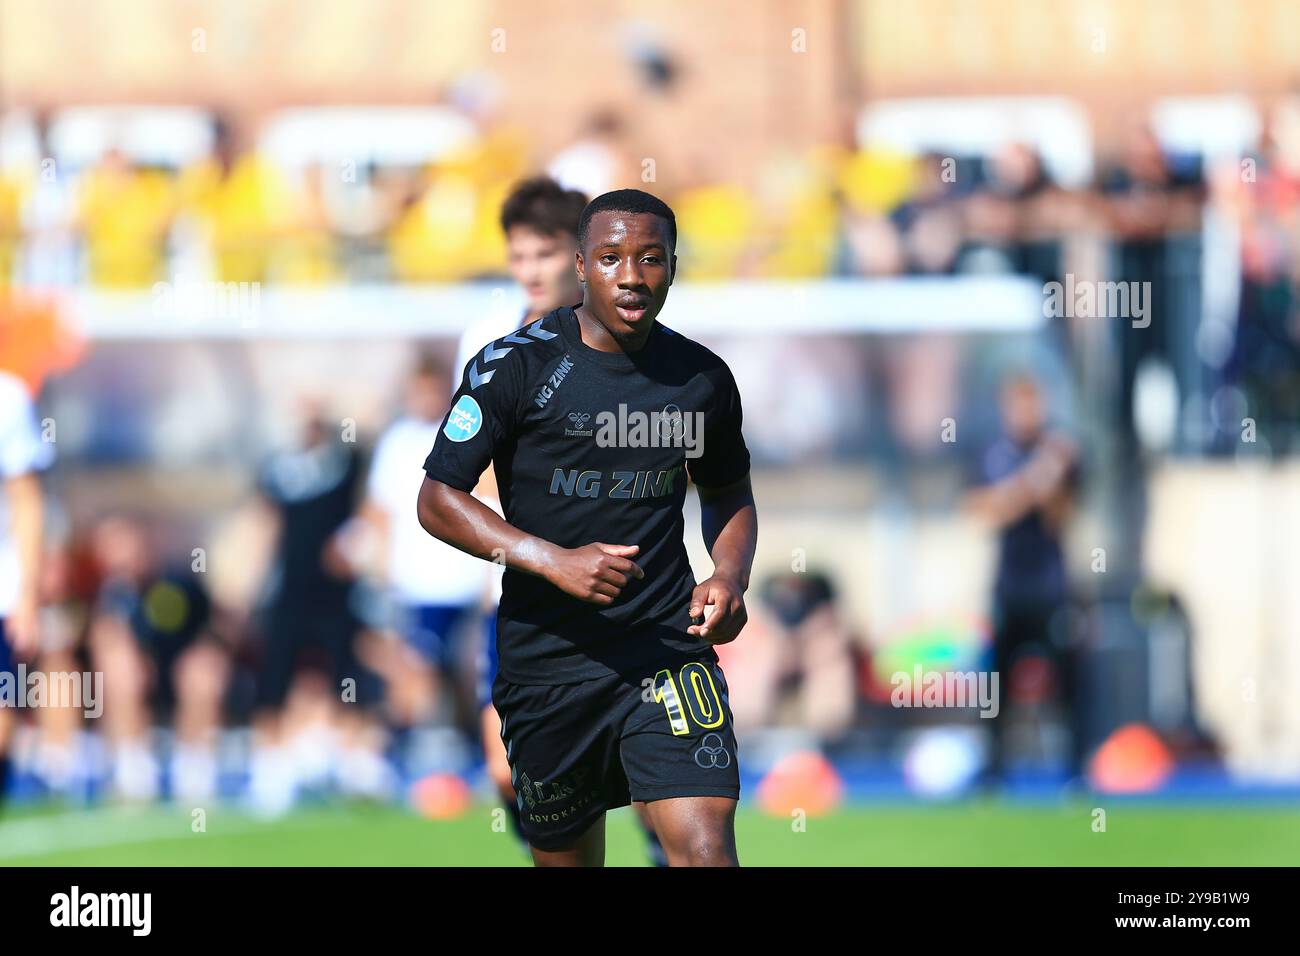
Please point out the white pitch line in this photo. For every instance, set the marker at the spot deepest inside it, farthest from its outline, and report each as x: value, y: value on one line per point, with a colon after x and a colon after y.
x: 90, y: 829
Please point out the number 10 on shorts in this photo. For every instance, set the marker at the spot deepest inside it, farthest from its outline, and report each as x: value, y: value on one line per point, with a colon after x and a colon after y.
x: 700, y: 694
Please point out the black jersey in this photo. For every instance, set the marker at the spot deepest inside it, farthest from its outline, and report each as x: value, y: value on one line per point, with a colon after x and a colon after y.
x: 314, y: 490
x: 594, y: 446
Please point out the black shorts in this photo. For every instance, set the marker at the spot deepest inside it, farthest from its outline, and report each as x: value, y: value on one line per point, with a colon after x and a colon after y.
x: 577, y: 750
x: 302, y: 637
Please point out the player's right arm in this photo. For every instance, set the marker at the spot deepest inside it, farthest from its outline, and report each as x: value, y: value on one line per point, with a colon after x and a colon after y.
x: 596, y: 572
x: 1041, y: 484
x: 483, y: 415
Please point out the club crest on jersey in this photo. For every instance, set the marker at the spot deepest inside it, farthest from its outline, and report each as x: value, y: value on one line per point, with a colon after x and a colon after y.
x: 464, y: 420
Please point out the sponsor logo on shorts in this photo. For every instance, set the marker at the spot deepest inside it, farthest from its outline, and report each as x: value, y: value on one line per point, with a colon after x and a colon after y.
x: 536, y: 797
x: 712, y: 753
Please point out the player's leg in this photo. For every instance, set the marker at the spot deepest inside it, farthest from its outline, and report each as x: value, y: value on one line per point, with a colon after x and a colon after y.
x: 6, y: 716
x: 587, y: 850
x: 361, y: 769
x: 200, y: 675
x: 654, y: 846
x: 678, y: 750
x: 498, y: 767
x: 696, y: 831
x: 1012, y: 632
x: 56, y: 757
x: 562, y: 744
x: 128, y: 679
x: 1054, y: 625
x: 494, y: 752
x: 432, y: 630
x: 494, y: 748
x: 6, y: 731
x: 272, y: 788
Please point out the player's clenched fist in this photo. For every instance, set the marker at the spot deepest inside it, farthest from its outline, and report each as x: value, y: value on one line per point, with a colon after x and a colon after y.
x: 595, y: 572
x: 728, y: 616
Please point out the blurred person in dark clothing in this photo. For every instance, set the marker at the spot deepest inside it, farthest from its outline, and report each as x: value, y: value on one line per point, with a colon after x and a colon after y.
x: 1027, y: 480
x: 1148, y: 199
x: 151, y: 636
x: 1265, y: 356
x: 314, y: 696
x: 1015, y: 212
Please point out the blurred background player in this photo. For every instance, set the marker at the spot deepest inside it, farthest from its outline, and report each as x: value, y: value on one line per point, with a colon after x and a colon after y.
x: 151, y: 636
x: 312, y: 691
x: 22, y: 455
x: 1028, y: 478
x: 436, y: 589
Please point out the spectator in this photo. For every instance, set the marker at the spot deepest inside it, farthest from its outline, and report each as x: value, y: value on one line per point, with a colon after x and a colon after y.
x: 1027, y: 483
x: 151, y: 636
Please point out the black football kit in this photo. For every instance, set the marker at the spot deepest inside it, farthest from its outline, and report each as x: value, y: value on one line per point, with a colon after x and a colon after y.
x: 600, y: 705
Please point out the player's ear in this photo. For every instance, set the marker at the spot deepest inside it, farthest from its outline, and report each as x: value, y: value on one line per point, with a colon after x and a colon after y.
x: 580, y: 266
x: 672, y: 269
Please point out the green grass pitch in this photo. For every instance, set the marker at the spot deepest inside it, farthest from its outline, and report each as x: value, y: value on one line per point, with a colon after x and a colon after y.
x: 958, y: 834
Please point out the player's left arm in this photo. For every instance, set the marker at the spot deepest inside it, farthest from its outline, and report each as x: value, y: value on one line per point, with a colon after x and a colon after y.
x: 728, y: 517
x: 729, y: 522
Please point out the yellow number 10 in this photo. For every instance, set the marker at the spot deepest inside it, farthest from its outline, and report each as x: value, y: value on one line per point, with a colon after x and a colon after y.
x: 704, y: 705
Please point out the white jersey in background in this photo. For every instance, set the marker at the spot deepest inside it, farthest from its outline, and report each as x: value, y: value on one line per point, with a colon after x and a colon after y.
x: 421, y: 569
x: 472, y: 340
x: 480, y: 333
x: 21, y: 451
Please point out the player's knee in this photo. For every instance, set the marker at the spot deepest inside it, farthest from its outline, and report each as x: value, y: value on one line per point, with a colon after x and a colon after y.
x: 201, y: 674
x: 706, y: 847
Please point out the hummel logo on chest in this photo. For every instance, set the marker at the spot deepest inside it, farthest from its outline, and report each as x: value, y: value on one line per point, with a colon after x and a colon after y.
x: 579, y: 421
x: 546, y: 391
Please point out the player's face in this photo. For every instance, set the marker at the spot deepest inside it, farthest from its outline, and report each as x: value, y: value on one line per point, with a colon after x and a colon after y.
x: 1022, y: 410
x: 543, y: 267
x: 628, y: 266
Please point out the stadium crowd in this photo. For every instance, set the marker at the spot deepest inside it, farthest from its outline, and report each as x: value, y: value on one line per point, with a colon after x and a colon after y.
x: 239, y: 215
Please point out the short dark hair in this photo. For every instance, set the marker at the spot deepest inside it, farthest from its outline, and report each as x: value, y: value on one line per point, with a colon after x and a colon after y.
x: 628, y: 200
x: 544, y: 205
x: 430, y: 366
